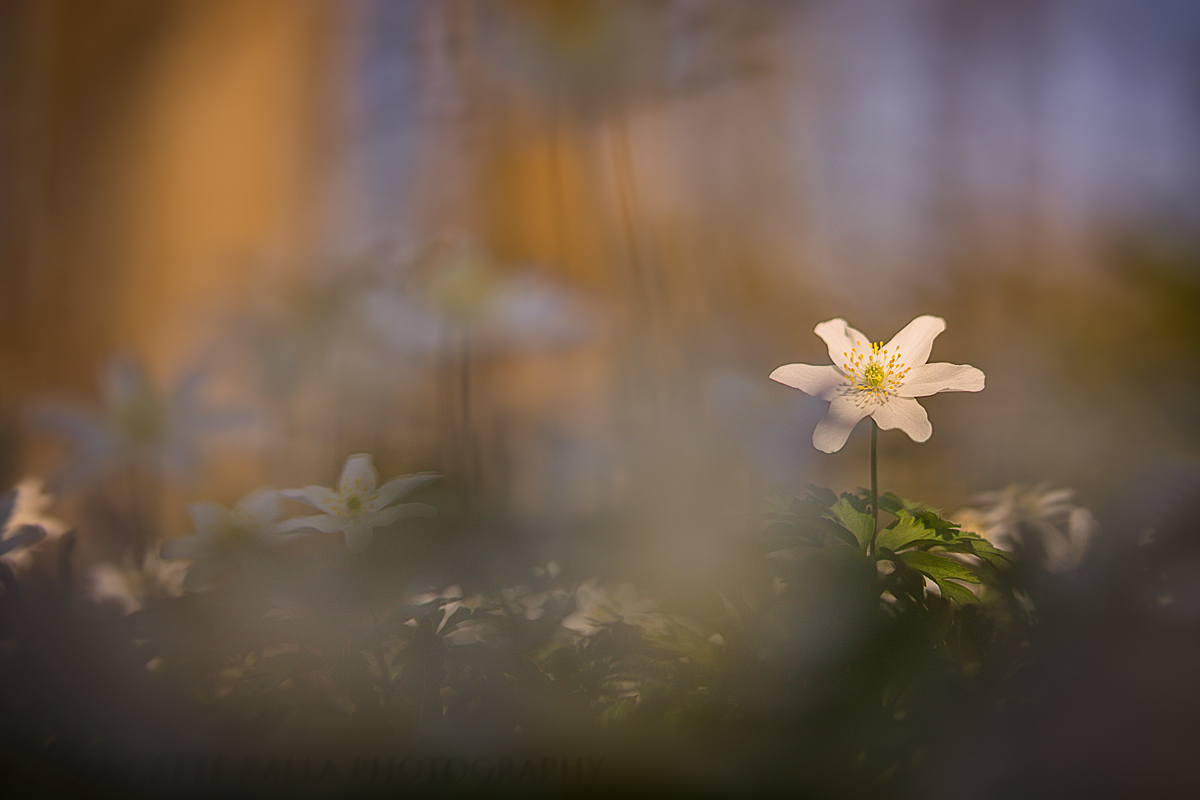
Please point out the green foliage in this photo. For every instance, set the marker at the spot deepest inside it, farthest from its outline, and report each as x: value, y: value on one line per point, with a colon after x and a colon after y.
x: 917, y: 539
x: 917, y: 614
x: 852, y: 645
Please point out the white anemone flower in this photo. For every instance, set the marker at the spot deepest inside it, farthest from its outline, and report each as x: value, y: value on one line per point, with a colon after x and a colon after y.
x: 358, y: 505
x: 877, y: 380
x: 225, y: 538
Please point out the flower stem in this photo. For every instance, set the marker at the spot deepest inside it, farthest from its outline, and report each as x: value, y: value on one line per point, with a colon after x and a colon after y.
x: 874, y: 489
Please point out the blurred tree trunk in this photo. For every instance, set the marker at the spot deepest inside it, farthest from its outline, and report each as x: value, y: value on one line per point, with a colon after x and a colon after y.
x: 153, y: 153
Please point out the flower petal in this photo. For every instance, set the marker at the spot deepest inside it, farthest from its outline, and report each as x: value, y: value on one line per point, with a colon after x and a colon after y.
x: 832, y: 432
x: 930, y: 379
x: 823, y: 382
x: 840, y: 338
x: 358, y: 535
x: 906, y: 414
x: 393, y: 490
x: 76, y: 423
x: 261, y: 505
x: 320, y: 522
x: 207, y: 517
x: 403, y: 511
x: 915, y: 340
x: 319, y: 497
x: 277, y: 535
x: 358, y: 475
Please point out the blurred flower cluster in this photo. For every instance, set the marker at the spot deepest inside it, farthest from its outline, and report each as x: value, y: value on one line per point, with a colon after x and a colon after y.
x: 1038, y: 522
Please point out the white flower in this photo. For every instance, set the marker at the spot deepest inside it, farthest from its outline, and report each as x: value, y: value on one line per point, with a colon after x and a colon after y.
x: 23, y: 521
x: 135, y: 586
x: 357, y: 507
x: 225, y: 539
x: 876, y: 380
x: 137, y: 423
x: 597, y: 608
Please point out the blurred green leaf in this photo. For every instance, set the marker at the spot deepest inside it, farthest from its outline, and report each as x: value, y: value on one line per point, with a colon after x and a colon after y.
x: 957, y: 592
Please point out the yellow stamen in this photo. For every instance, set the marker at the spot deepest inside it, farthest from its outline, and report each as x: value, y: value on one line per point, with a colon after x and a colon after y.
x: 874, y: 372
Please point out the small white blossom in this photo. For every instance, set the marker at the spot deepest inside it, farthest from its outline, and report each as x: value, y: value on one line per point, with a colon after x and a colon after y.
x: 466, y: 299
x: 358, y: 505
x: 877, y: 380
x: 597, y: 608
x: 135, y: 586
x: 23, y: 521
x: 225, y: 538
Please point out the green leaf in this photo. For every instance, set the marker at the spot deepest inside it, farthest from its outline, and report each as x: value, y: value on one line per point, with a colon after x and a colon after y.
x: 838, y: 531
x: 957, y: 592
x: 824, y: 496
x: 934, y: 522
x: 859, y: 523
x: 937, y: 566
x: 976, y: 545
x: 615, y: 713
x: 904, y: 532
x: 892, y: 504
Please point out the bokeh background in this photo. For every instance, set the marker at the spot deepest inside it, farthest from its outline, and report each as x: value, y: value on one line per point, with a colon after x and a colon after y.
x: 552, y: 248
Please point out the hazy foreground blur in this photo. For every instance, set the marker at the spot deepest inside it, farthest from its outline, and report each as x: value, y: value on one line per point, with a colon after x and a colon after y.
x: 551, y: 249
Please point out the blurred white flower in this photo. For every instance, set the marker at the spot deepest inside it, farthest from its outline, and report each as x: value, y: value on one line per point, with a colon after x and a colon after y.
x: 310, y: 335
x: 136, y: 424
x: 597, y: 608
x: 23, y: 521
x: 474, y: 603
x: 877, y: 380
x: 1037, y: 520
x: 357, y: 507
x: 477, y: 630
x: 452, y: 600
x: 226, y: 539
x: 135, y: 586
x: 465, y: 299
x: 532, y: 605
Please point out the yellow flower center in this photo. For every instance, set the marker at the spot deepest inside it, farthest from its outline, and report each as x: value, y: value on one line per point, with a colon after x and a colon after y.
x: 874, y: 375
x: 874, y: 372
x: 353, y: 504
